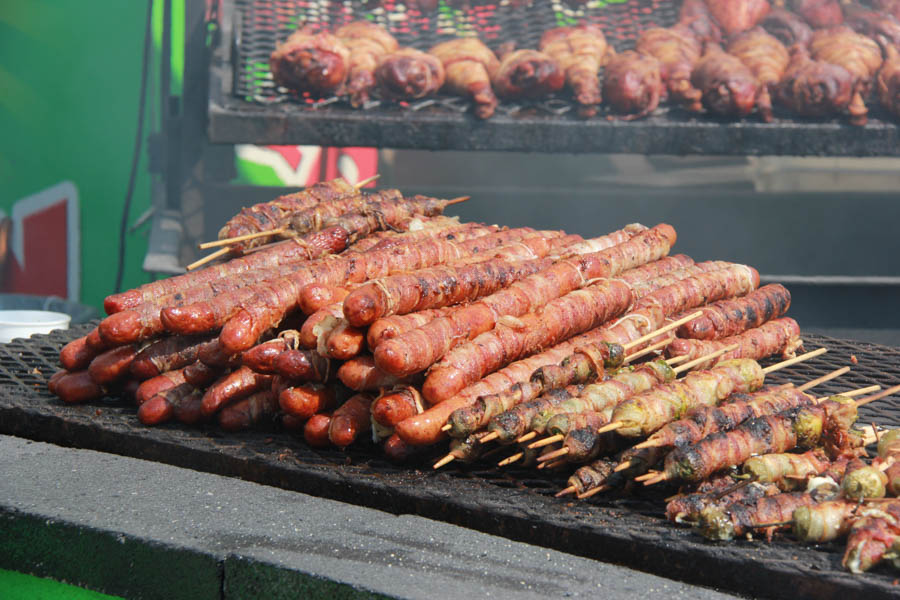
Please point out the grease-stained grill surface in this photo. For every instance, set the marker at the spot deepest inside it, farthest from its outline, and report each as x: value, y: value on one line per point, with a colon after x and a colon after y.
x: 515, y: 503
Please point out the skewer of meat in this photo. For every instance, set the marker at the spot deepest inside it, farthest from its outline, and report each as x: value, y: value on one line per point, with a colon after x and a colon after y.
x: 677, y: 51
x: 368, y: 43
x: 799, y: 428
x: 737, y: 519
x: 238, y: 384
x: 469, y: 66
x: 862, y: 481
x: 386, y: 328
x: 875, y: 532
x: 360, y: 374
x: 581, y: 52
x: 781, y: 336
x: 276, y: 214
x: 736, y: 16
x: 350, y: 420
x: 527, y: 74
x: 669, y: 299
x: 726, y: 318
x: 633, y: 84
x: 409, y: 74
x: 305, y: 400
x: 166, y: 354
x: 317, y: 63
x: 444, y: 285
x: 593, y: 349
x: 266, y: 303
x: 249, y: 412
x: 416, y: 350
x: 766, y: 58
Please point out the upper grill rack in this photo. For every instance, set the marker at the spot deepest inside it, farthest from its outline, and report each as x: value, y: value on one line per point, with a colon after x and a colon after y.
x: 245, y: 106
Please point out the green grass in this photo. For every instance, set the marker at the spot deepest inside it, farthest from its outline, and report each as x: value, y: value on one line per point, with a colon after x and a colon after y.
x: 18, y: 586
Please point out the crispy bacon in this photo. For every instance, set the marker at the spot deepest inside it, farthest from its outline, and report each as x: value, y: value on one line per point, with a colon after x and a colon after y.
x: 781, y: 336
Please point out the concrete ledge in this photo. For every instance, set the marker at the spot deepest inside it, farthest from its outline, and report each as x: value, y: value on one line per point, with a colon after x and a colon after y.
x: 144, y: 530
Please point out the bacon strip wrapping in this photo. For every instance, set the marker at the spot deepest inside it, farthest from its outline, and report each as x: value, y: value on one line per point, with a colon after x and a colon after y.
x: 703, y: 421
x: 166, y: 354
x: 781, y: 336
x: 268, y: 216
x: 514, y: 422
x: 367, y: 43
x: 687, y: 508
x: 558, y: 320
x: 249, y: 412
x: 736, y: 519
x: 875, y: 532
x: 727, y: 318
x: 236, y: 385
x: 416, y: 350
x: 444, y: 285
x: 798, y: 428
x: 274, y: 298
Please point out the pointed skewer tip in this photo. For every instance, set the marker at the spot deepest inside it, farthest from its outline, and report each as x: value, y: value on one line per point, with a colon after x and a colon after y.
x: 207, y: 258
x: 611, y: 426
x: 447, y: 459
x: 565, y: 492
x: 510, y: 459
x: 528, y: 436
x: 546, y: 441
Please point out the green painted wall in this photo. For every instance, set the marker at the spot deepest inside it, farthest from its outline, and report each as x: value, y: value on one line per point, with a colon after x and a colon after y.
x: 69, y: 84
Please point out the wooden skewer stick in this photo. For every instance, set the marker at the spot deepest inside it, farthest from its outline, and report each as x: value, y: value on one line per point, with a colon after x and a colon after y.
x: 853, y: 393
x: 678, y: 359
x: 647, y: 350
x: 659, y: 478
x: 648, y: 475
x: 793, y: 361
x: 661, y: 330
x: 490, y: 437
x: 546, y: 441
x: 592, y: 492
x: 510, y: 459
x: 622, y: 466
x: 446, y: 460
x: 457, y: 200
x: 447, y: 427
x: 553, y: 465
x: 833, y: 375
x: 878, y: 396
x: 241, y: 238
x: 565, y: 492
x: 208, y: 258
x: 690, y: 365
x: 361, y: 184
x: 528, y: 436
x: 551, y: 455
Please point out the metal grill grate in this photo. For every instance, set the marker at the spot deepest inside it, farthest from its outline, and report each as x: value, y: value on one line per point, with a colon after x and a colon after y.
x: 516, y: 503
x: 262, y: 24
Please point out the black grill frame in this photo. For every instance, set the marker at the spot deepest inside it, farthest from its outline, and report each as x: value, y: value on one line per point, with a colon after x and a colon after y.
x: 244, y: 109
x: 515, y: 503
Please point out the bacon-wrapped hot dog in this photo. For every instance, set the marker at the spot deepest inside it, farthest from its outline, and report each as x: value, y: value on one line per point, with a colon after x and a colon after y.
x: 78, y: 387
x: 439, y: 286
x: 396, y: 405
x: 76, y: 355
x: 781, y: 336
x: 303, y: 401
x: 236, y: 385
x: 159, y: 384
x: 112, y: 365
x: 167, y: 354
x: 386, y: 328
x: 727, y: 318
x: 418, y: 349
x: 249, y: 412
x: 350, y: 420
x: 315, y: 432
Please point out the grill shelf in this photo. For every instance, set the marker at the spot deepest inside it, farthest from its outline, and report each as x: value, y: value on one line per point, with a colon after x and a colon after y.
x: 514, y: 503
x: 246, y: 107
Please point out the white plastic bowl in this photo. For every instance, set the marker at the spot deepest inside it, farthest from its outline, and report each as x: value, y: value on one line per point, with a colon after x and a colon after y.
x: 25, y: 323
